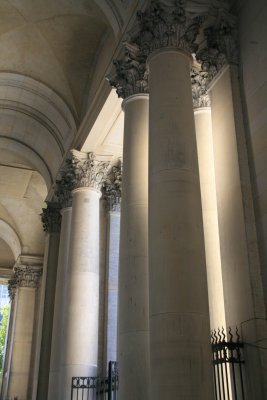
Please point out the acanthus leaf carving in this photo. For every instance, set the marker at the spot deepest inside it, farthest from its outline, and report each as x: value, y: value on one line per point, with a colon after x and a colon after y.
x: 51, y: 217
x: 130, y: 75
x: 221, y: 45
x: 200, y: 80
x: 112, y: 188
x: 163, y: 26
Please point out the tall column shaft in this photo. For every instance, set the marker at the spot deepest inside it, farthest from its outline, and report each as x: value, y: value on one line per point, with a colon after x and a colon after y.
x: 112, y: 284
x: 242, y: 280
x: 26, y: 280
x: 59, y: 307
x: 133, y: 328
x: 47, y: 326
x: 210, y: 216
x: 179, y: 314
x: 79, y: 356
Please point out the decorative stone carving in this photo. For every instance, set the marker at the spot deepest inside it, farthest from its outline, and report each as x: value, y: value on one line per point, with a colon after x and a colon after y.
x: 12, y: 288
x: 24, y: 276
x: 65, y: 185
x: 167, y: 25
x: 86, y: 170
x: 27, y: 276
x: 200, y: 80
x: 130, y: 74
x: 51, y: 217
x: 112, y: 188
x: 221, y: 46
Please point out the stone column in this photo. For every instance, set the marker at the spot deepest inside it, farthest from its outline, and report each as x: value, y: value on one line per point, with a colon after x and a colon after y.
x: 203, y: 123
x: 112, y: 196
x: 63, y: 193
x: 80, y: 348
x: 180, y: 352
x: 26, y: 278
x: 51, y: 220
x: 241, y: 274
x: 133, y: 324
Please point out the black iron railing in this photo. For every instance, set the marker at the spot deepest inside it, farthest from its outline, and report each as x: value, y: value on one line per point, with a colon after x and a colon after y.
x: 96, y: 388
x: 227, y: 357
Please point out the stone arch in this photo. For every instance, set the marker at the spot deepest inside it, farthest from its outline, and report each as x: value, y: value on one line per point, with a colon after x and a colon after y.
x: 10, y: 237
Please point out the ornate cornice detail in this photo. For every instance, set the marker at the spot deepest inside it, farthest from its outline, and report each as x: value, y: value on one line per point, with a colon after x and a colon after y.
x: 162, y: 26
x: 86, y: 170
x: 200, y: 80
x: 51, y: 217
x: 112, y: 188
x: 130, y: 75
x: 221, y: 45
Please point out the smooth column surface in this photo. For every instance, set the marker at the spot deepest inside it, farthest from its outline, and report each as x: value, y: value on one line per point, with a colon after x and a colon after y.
x: 133, y: 327
x: 22, y: 345
x: 210, y: 216
x: 47, y: 326
x: 80, y: 348
x: 179, y: 313
x: 59, y: 308
x: 112, y: 284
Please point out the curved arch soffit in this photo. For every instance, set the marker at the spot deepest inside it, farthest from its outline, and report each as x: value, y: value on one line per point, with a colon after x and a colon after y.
x: 112, y: 13
x: 33, y: 159
x: 9, y: 235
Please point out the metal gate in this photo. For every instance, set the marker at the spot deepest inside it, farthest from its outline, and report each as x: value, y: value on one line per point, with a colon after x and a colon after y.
x: 96, y: 388
x: 228, y: 362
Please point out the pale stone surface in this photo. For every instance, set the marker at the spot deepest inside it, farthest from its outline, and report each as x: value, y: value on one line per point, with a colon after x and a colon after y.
x: 243, y: 293
x: 112, y: 286
x: 179, y: 315
x: 22, y: 340
x: 133, y: 325
x: 80, y: 351
x: 59, y: 307
x: 47, y: 326
x: 210, y: 216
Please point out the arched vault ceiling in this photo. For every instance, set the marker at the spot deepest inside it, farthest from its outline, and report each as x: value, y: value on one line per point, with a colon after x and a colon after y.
x: 54, y: 41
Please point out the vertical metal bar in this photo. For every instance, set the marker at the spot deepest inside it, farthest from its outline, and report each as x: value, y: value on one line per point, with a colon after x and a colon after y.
x: 222, y: 375
x: 71, y: 398
x: 218, y: 375
x: 227, y: 380
x: 109, y: 380
x: 233, y: 372
x: 214, y: 370
x: 241, y: 375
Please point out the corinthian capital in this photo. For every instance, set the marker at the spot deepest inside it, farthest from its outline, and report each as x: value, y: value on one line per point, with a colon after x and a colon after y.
x: 221, y: 45
x: 112, y: 188
x: 51, y: 217
x: 162, y: 26
x: 129, y: 75
x: 86, y: 170
x: 65, y: 185
x: 27, y: 276
x: 200, y: 80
